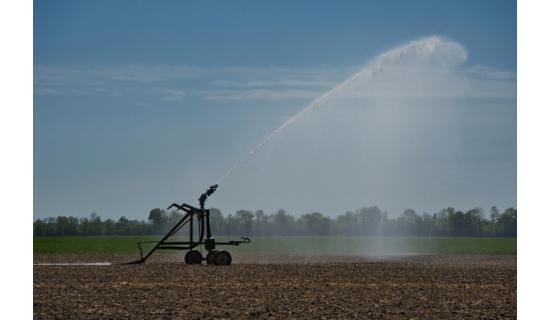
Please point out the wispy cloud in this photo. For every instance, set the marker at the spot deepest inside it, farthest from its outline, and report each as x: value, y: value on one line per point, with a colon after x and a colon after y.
x: 484, y: 72
x: 425, y: 83
x: 259, y: 94
x: 296, y: 83
x: 177, y: 83
x: 173, y: 94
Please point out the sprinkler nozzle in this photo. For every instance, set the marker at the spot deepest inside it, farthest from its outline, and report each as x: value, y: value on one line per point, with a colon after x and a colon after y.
x: 211, y: 189
x: 208, y: 193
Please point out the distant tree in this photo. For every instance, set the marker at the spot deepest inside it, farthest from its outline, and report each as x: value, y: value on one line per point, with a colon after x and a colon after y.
x: 259, y: 216
x: 283, y: 222
x: 217, y: 222
x: 374, y: 220
x: 474, y: 219
x: 122, y: 226
x: 346, y: 224
x: 157, y: 218
x: 260, y: 222
x: 109, y: 227
x: 170, y: 220
x: 364, y: 221
x: 315, y: 223
x: 507, y: 223
x: 95, y: 225
x: 494, y: 213
x: 84, y: 227
x: 411, y: 222
x: 39, y: 228
x: 427, y: 222
x: 245, y: 219
x: 66, y: 226
x: 456, y: 222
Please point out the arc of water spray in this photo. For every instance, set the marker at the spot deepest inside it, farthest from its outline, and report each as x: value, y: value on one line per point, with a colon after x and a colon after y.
x: 295, y: 117
x: 425, y: 50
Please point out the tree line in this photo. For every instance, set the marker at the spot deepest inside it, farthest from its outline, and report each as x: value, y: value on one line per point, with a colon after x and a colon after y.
x: 366, y: 221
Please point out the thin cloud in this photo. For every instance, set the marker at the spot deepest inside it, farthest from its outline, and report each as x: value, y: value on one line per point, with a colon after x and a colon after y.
x: 255, y: 83
x: 484, y: 72
x: 258, y: 94
x: 173, y: 94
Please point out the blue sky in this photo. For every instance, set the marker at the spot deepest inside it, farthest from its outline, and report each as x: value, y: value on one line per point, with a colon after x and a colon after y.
x: 251, y: 33
x: 139, y: 104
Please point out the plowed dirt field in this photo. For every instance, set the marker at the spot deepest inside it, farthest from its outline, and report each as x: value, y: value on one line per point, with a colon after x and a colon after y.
x: 278, y: 287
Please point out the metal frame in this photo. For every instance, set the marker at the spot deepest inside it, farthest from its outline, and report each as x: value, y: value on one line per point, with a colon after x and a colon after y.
x: 202, y: 216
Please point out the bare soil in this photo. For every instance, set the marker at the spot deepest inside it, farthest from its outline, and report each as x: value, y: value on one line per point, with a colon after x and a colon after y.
x: 278, y: 287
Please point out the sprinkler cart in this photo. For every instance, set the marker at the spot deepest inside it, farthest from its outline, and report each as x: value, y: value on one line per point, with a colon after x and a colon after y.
x: 202, y: 216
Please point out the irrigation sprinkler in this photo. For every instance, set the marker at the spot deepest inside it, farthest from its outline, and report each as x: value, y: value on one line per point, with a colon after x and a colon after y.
x: 202, y: 217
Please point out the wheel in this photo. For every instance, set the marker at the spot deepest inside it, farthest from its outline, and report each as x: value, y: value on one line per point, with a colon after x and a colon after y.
x: 193, y: 257
x: 210, y: 256
x: 222, y: 258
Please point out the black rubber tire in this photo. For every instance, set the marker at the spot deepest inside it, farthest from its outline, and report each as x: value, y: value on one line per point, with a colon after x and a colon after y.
x: 222, y: 258
x: 193, y: 257
x: 210, y: 256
